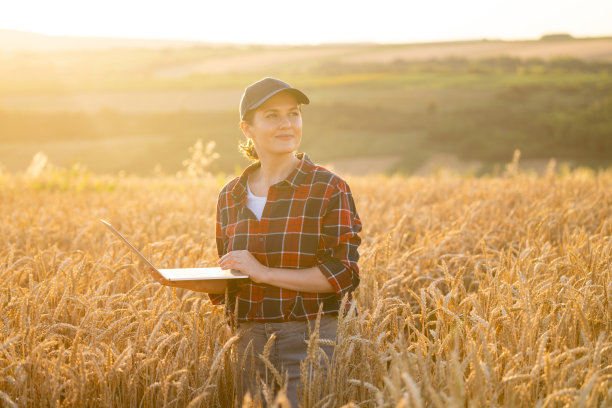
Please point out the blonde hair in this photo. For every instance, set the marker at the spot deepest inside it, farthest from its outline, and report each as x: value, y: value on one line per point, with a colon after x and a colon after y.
x: 248, y: 148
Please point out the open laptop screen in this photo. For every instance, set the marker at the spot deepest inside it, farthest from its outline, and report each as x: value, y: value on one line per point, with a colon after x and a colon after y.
x: 178, y: 274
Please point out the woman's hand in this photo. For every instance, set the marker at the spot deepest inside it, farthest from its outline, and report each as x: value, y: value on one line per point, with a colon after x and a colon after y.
x: 246, y: 263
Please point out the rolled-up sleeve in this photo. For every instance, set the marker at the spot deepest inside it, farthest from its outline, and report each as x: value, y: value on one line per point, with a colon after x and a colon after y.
x: 338, y: 254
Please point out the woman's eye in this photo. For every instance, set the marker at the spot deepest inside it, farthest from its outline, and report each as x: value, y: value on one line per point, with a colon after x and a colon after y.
x: 271, y: 116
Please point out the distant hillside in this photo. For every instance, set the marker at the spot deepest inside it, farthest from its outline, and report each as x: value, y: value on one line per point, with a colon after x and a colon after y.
x: 375, y: 107
x: 589, y: 49
x: 548, y: 46
x: 14, y: 40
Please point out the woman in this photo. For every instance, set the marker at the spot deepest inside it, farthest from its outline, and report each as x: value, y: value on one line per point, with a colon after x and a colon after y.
x: 292, y: 227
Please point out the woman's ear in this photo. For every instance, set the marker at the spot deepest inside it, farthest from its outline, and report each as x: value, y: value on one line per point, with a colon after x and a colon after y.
x: 245, y: 129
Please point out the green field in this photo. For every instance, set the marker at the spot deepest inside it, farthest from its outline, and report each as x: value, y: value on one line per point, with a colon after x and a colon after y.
x: 395, y: 106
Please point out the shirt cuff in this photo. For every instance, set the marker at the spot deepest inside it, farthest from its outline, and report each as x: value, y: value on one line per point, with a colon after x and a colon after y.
x: 339, y: 276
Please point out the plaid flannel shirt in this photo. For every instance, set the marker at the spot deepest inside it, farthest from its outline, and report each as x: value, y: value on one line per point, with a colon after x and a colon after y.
x: 309, y: 220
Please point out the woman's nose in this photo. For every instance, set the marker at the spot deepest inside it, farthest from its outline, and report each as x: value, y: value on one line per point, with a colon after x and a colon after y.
x: 285, y: 122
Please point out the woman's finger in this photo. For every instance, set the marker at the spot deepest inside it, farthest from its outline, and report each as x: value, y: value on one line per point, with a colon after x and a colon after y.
x: 227, y: 259
x: 229, y: 264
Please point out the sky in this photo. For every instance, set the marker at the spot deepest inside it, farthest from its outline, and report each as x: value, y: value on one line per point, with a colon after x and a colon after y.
x: 310, y: 21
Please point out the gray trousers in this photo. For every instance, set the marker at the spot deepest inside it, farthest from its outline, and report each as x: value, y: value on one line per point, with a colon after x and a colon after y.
x: 288, y: 348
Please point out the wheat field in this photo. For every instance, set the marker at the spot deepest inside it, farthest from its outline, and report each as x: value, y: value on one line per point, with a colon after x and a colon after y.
x: 493, y: 291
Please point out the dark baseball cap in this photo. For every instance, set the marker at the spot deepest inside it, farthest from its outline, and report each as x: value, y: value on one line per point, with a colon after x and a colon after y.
x: 259, y: 92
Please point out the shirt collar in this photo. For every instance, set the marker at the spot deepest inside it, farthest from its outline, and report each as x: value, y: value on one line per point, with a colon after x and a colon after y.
x: 294, y: 179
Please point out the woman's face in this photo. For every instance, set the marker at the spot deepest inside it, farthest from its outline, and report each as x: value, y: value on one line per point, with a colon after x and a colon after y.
x: 276, y: 128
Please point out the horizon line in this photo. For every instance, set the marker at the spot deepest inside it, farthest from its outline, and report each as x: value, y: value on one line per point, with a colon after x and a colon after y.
x: 330, y: 43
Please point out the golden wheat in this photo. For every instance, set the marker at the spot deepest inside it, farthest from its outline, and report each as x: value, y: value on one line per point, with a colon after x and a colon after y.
x: 477, y: 291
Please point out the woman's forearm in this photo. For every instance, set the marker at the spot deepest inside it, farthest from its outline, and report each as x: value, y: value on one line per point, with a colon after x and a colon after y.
x: 303, y: 280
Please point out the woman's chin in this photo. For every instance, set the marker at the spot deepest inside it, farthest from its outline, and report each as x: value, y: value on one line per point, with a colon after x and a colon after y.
x: 286, y: 148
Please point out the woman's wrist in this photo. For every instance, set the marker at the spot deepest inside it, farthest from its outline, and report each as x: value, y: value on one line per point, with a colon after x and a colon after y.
x: 264, y: 275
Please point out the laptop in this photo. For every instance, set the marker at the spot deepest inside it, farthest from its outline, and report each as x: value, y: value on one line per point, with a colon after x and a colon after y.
x: 182, y: 274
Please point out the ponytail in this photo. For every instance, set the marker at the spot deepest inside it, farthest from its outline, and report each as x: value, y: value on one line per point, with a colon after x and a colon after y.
x: 248, y: 149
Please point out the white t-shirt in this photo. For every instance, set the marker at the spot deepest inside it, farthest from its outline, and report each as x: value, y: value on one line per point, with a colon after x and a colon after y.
x: 255, y: 203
